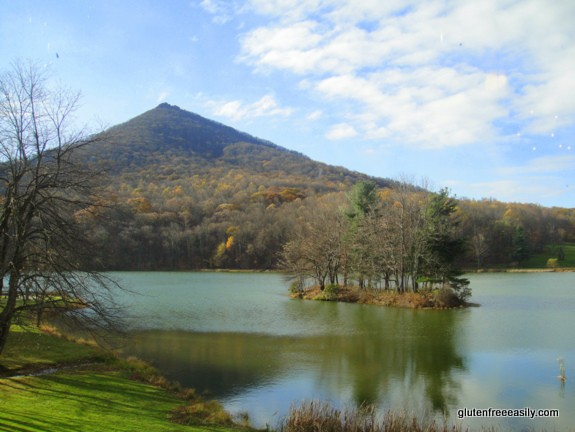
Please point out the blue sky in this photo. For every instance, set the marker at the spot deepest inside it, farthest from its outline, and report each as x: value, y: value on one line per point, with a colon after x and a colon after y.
x: 476, y: 96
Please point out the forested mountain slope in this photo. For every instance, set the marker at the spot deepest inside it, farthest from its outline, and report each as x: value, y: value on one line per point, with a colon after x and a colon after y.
x: 192, y: 193
x: 195, y: 193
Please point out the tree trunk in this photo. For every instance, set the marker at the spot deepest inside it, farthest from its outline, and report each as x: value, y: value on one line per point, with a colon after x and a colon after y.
x: 8, y: 310
x: 5, y: 323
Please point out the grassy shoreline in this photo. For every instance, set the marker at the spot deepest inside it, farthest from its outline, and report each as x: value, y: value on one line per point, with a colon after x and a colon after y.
x: 438, y: 299
x: 48, y: 382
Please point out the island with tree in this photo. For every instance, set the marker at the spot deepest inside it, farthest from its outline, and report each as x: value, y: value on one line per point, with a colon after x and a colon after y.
x: 394, y: 247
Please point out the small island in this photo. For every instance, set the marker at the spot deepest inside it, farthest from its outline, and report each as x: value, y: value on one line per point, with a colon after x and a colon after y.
x: 444, y: 298
x: 385, y: 247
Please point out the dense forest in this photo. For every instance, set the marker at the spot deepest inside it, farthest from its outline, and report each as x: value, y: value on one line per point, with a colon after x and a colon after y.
x: 184, y: 192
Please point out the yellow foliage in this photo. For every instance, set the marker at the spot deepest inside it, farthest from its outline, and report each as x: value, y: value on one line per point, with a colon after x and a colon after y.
x: 221, y: 250
x: 226, y: 207
x: 385, y: 194
x: 140, y: 204
x: 230, y: 242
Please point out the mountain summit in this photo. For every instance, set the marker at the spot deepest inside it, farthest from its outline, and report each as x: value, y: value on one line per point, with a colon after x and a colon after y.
x: 168, y: 127
x: 168, y: 139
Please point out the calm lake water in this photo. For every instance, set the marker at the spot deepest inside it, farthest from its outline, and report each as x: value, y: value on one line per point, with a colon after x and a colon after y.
x: 241, y: 339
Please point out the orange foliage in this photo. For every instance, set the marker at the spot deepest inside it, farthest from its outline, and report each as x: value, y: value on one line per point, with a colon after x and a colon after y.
x: 229, y: 242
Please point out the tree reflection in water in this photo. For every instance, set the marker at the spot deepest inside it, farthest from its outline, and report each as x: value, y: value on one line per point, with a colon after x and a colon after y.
x: 387, y: 357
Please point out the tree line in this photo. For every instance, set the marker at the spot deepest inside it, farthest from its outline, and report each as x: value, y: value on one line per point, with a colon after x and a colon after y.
x: 402, y: 239
x: 239, y: 219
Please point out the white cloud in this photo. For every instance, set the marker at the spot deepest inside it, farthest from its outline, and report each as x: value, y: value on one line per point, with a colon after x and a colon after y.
x: 431, y: 74
x: 222, y: 10
x: 541, y: 180
x: 315, y: 115
x: 341, y: 131
x: 549, y: 102
x: 440, y: 112
x: 286, y: 9
x: 163, y: 96
x: 237, y: 110
x: 232, y: 109
x: 281, y: 47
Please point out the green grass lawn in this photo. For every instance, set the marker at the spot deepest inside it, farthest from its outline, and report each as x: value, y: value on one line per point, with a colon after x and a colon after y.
x: 32, y: 349
x: 92, y: 391
x: 551, y: 251
x: 86, y: 401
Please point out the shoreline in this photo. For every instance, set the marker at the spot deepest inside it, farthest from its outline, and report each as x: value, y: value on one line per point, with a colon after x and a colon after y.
x: 137, y: 392
x: 481, y: 270
x: 522, y: 270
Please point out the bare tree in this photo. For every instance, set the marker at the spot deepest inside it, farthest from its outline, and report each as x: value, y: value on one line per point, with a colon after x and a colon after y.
x: 316, y: 250
x: 45, y: 258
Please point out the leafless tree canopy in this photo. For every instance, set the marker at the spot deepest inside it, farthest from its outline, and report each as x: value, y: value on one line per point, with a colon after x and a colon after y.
x: 44, y: 192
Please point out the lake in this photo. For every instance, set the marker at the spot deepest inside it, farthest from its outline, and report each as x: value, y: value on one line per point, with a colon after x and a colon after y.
x: 239, y: 338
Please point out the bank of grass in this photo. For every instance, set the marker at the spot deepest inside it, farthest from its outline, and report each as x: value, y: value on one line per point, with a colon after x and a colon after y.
x: 50, y: 383
x: 29, y: 350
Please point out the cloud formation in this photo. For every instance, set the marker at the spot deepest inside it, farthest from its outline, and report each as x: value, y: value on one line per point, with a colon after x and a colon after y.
x: 341, y: 131
x: 431, y: 74
x: 222, y: 10
x: 237, y: 110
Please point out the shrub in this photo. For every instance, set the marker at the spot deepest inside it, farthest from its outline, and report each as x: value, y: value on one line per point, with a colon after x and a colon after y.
x: 447, y: 297
x: 297, y: 287
x: 201, y: 412
x: 330, y: 292
x: 318, y: 416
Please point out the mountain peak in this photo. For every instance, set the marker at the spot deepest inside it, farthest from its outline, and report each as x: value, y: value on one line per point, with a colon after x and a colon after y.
x: 170, y: 128
x: 165, y: 105
x: 167, y: 136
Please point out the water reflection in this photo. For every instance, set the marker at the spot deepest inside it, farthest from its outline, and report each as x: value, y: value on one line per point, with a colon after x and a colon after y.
x: 413, y: 350
x: 242, y: 339
x: 379, y: 352
x: 219, y: 364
